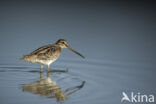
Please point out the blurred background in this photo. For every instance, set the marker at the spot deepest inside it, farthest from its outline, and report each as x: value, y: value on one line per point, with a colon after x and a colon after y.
x: 98, y: 29
x: 118, y: 39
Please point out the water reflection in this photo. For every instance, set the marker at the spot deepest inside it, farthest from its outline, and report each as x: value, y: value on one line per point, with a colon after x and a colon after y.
x: 49, y: 88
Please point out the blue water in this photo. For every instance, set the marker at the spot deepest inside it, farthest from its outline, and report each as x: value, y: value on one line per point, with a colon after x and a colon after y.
x: 105, y: 81
x: 117, y: 38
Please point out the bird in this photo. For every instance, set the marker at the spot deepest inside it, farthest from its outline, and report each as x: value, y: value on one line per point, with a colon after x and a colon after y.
x: 47, y: 54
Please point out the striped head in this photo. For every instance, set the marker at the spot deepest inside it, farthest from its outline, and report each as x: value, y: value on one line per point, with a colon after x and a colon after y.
x: 63, y: 44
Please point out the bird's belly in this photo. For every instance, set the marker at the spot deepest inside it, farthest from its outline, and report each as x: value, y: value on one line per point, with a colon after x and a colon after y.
x: 46, y: 62
x: 47, y: 59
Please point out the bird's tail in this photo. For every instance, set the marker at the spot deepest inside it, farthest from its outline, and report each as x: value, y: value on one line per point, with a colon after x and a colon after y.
x: 29, y: 58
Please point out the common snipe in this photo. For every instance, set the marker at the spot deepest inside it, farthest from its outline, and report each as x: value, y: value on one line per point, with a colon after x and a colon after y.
x: 46, y: 55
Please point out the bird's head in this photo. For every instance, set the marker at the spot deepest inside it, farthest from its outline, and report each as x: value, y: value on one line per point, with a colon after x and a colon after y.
x: 63, y: 44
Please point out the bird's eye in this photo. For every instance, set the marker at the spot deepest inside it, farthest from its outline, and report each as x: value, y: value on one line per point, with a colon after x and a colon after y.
x: 63, y: 42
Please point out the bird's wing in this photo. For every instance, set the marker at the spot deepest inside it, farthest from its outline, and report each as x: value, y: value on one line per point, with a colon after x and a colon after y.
x: 40, y: 50
x: 49, y: 52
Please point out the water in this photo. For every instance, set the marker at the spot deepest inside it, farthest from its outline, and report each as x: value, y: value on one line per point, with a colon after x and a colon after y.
x: 117, y: 39
x: 105, y: 82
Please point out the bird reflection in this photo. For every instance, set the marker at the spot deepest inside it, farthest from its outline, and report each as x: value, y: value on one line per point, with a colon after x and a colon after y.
x: 49, y: 88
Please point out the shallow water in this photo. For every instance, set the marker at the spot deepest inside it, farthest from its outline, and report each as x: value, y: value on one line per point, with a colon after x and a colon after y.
x: 116, y: 37
x: 104, y: 82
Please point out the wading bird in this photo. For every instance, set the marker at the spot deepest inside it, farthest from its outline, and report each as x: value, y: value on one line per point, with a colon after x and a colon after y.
x: 46, y: 55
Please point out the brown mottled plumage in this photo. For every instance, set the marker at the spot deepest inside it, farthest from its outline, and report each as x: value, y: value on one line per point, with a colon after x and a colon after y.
x: 45, y: 55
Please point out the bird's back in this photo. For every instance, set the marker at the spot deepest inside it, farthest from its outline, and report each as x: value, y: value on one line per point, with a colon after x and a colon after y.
x: 44, y: 54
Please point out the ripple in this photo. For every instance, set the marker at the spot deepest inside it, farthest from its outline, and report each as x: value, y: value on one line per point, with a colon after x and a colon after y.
x: 104, y: 79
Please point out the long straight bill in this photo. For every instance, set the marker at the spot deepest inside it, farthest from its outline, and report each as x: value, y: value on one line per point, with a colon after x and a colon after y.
x: 76, y: 52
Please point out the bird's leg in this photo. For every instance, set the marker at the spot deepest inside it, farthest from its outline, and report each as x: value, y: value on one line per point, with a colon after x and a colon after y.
x: 48, y: 75
x: 40, y: 75
x: 48, y: 68
x: 41, y: 68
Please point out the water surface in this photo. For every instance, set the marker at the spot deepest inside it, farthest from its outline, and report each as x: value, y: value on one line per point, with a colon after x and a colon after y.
x: 104, y: 82
x: 116, y: 37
